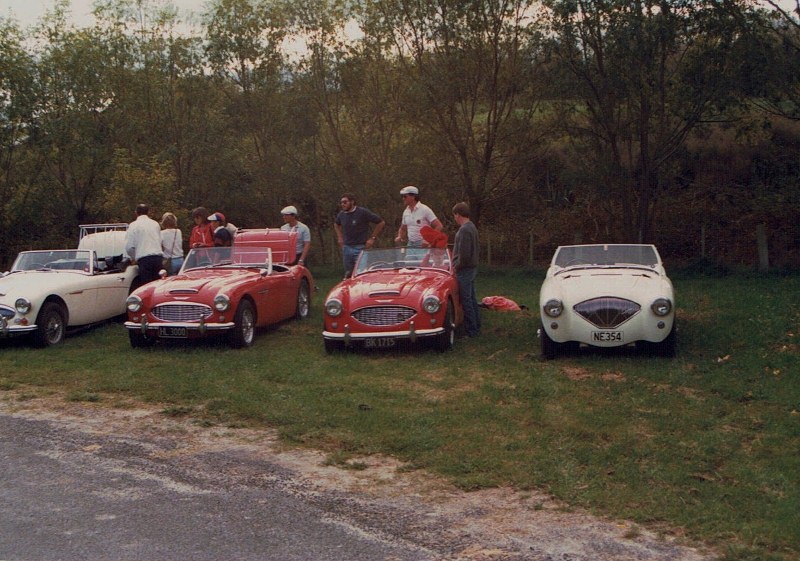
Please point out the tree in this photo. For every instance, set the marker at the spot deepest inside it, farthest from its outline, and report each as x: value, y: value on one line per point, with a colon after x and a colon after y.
x: 644, y: 75
x: 771, y: 60
x: 69, y: 133
x: 17, y: 175
x: 472, y: 67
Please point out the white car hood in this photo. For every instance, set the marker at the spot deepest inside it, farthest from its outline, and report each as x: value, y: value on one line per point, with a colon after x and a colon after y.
x: 32, y: 283
x: 636, y: 285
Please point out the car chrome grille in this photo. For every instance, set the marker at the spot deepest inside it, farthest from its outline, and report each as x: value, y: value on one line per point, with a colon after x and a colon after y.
x: 384, y: 315
x: 7, y: 313
x: 182, y: 312
x: 607, y: 312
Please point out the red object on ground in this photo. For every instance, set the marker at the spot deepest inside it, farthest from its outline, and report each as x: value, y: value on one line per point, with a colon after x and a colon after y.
x: 500, y: 303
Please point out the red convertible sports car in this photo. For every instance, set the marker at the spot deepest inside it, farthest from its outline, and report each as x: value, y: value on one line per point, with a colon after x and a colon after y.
x: 224, y: 291
x: 394, y: 295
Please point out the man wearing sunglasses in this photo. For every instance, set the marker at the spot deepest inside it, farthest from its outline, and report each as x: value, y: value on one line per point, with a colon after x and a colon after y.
x: 353, y: 231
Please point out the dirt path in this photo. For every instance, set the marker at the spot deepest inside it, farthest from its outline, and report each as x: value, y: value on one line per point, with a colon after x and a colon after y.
x: 380, y: 499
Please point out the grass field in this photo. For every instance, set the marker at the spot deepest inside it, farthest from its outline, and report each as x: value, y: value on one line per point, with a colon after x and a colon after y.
x: 706, y: 445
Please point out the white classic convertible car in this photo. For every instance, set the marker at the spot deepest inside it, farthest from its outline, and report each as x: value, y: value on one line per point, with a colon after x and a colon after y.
x: 607, y: 296
x: 48, y: 291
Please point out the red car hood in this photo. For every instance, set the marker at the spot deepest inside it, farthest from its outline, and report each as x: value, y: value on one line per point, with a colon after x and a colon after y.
x: 201, y: 281
x: 394, y: 285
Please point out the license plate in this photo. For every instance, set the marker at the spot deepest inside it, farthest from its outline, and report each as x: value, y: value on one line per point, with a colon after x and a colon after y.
x: 607, y: 336
x: 379, y: 343
x: 173, y: 332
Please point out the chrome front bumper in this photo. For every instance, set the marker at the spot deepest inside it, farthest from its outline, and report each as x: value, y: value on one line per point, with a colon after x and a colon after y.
x: 412, y: 334
x: 200, y: 327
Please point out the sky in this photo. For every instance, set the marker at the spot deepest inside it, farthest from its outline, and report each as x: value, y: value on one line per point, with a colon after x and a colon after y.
x: 28, y: 12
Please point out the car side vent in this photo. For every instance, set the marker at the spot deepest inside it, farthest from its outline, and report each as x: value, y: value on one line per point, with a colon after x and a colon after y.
x: 607, y: 312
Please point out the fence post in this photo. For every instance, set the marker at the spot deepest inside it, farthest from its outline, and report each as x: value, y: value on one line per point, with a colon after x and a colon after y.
x: 763, y: 248
x: 530, y: 248
x: 702, y: 241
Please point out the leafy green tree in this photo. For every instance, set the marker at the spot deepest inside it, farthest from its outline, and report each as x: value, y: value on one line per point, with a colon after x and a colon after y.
x: 771, y: 60
x: 133, y: 182
x: 472, y: 68
x: 643, y: 74
x: 18, y: 191
x: 69, y: 133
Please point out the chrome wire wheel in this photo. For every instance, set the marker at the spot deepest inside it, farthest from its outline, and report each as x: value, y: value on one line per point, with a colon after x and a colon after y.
x: 51, y: 325
x: 303, y: 300
x: 244, y: 325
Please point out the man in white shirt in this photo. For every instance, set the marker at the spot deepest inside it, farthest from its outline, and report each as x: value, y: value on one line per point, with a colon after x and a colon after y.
x: 292, y: 224
x: 143, y: 244
x: 415, y: 216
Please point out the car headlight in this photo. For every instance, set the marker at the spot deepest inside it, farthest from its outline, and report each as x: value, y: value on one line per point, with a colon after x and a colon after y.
x: 333, y: 307
x: 22, y: 305
x: 133, y: 303
x: 431, y: 304
x: 553, y: 308
x: 222, y: 302
x: 661, y: 306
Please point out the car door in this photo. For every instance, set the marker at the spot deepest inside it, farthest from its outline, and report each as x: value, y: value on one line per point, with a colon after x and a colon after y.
x: 277, y: 299
x: 111, y: 289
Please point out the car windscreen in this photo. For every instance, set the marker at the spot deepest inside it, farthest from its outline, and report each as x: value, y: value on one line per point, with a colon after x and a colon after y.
x: 57, y: 260
x: 402, y: 258
x: 606, y: 255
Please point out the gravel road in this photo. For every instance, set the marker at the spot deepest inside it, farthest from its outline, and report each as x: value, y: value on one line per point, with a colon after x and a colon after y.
x: 88, y: 481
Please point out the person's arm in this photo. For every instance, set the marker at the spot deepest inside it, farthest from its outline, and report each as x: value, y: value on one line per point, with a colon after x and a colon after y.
x: 339, y: 235
x: 376, y: 231
x: 402, y: 233
x: 306, y: 247
x: 437, y: 225
x: 130, y: 244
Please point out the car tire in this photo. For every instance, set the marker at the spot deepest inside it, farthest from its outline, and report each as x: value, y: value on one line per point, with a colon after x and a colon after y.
x: 51, y: 325
x: 667, y: 347
x: 303, y: 300
x: 332, y: 347
x: 550, y: 348
x: 245, y: 325
x: 446, y: 341
x: 139, y: 340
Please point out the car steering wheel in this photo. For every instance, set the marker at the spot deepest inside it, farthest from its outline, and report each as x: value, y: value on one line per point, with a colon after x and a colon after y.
x: 379, y: 265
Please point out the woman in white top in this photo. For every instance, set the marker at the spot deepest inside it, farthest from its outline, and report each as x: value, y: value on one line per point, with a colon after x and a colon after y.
x: 171, y: 243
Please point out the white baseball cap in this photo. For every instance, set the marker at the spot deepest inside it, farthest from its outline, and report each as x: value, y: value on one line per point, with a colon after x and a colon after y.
x: 409, y: 190
x: 289, y: 210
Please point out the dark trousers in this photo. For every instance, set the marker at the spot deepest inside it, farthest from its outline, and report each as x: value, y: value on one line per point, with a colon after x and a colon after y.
x: 149, y: 266
x: 469, y: 302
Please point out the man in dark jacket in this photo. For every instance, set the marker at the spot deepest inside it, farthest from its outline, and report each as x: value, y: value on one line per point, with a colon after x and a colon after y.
x: 465, y: 262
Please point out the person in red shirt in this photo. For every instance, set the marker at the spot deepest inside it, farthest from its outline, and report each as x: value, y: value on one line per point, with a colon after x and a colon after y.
x: 202, y: 235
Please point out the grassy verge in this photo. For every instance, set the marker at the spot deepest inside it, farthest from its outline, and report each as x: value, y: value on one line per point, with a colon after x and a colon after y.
x: 706, y: 445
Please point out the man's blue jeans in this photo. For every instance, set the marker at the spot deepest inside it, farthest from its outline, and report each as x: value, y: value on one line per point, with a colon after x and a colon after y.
x: 349, y: 257
x: 469, y: 302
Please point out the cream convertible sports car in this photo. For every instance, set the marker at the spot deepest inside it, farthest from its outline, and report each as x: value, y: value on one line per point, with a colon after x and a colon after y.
x: 48, y: 291
x: 607, y: 296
